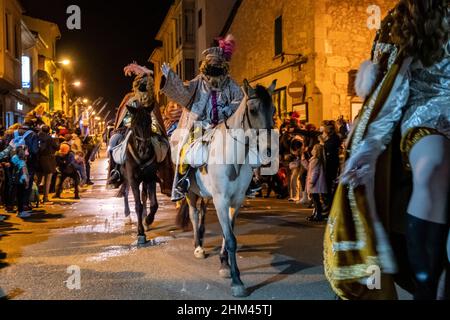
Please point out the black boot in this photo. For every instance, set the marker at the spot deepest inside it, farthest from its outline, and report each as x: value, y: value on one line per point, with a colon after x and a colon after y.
x: 183, y: 185
x: 426, y: 242
x: 114, y: 177
x: 255, y: 186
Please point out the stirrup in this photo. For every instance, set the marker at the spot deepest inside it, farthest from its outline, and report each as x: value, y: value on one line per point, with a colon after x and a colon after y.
x: 114, y: 177
x: 176, y: 196
x: 183, y: 185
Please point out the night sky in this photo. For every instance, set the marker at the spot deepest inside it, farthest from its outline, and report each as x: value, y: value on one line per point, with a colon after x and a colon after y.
x: 111, y: 36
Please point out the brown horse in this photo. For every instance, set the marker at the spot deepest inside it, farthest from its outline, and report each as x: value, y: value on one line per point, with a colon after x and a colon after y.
x: 141, y: 168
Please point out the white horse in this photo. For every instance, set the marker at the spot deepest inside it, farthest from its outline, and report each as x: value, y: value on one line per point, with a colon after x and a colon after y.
x: 226, y: 184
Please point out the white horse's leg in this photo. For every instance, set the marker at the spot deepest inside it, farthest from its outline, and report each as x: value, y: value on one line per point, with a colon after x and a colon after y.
x: 427, y: 228
x: 201, y: 227
x: 225, y: 216
x: 225, y: 271
x: 192, y: 201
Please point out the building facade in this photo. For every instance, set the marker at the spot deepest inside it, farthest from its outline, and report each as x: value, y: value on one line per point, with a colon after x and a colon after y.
x: 190, y: 27
x: 211, y: 18
x: 51, y: 87
x: 12, y: 102
x: 29, y: 73
x: 313, y: 48
x: 178, y: 38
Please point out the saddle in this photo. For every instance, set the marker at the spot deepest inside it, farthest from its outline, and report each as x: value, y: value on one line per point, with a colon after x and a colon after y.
x: 119, y: 152
x: 197, y: 153
x: 160, y: 145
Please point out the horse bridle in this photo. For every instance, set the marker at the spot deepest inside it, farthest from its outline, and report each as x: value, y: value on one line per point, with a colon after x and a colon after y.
x: 246, y: 115
x: 133, y: 153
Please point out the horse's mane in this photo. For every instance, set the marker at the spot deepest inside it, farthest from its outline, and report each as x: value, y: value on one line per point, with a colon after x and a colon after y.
x: 263, y: 94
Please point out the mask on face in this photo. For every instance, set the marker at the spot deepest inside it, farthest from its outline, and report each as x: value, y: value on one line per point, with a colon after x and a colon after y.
x: 143, y: 87
x: 214, y: 71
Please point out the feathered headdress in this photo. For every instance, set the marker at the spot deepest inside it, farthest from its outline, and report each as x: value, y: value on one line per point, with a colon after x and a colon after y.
x: 224, y: 51
x: 228, y: 45
x: 135, y: 69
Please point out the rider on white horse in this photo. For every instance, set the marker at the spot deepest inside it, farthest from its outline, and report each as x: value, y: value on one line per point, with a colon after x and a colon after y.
x: 211, y: 98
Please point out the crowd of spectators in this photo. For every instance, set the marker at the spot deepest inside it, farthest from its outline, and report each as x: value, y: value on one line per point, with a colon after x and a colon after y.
x: 41, y: 156
x: 310, y: 161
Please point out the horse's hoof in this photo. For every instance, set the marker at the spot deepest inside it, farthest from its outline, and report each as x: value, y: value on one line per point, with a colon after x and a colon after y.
x: 239, y: 292
x: 142, y: 240
x: 225, y: 273
x: 199, y: 253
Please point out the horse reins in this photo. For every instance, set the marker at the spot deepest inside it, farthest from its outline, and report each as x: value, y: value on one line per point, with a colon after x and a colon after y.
x: 133, y: 153
x: 246, y: 116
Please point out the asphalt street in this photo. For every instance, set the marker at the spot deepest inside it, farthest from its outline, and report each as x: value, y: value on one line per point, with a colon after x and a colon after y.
x: 279, y: 255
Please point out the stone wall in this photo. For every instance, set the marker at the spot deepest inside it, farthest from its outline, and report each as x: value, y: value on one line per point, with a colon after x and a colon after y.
x: 343, y: 41
x: 253, y: 28
x: 333, y: 34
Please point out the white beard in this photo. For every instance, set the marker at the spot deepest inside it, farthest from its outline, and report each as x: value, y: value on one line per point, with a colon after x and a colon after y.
x: 365, y: 79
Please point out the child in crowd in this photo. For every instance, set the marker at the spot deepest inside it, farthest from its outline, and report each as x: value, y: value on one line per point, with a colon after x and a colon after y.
x: 316, y: 181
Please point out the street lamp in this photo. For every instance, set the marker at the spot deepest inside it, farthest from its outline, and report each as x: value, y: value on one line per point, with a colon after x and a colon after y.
x: 77, y: 84
x: 66, y: 62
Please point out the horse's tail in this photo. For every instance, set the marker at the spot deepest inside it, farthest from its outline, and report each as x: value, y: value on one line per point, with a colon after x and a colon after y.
x: 183, y: 220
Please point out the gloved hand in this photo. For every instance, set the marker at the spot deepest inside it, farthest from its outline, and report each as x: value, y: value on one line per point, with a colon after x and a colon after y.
x: 165, y: 68
x: 360, y: 168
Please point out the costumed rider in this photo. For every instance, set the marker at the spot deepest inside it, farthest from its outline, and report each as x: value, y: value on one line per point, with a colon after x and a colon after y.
x: 209, y: 99
x: 142, y: 95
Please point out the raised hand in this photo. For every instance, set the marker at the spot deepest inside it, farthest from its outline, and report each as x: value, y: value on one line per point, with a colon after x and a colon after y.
x: 165, y: 68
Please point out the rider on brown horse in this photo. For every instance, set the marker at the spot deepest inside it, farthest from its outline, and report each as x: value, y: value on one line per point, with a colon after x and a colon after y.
x: 142, y: 95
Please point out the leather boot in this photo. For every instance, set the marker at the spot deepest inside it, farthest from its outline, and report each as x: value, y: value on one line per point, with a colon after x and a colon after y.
x: 426, y: 242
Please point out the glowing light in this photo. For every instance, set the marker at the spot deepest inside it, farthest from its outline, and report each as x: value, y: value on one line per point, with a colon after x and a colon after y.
x: 66, y: 62
x: 77, y: 83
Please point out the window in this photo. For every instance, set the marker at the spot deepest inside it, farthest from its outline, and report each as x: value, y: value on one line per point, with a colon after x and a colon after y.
x: 177, y: 44
x: 7, y: 32
x: 179, y: 70
x: 189, y: 69
x: 189, y: 25
x: 51, y: 96
x: 351, y: 82
x: 17, y: 42
x: 279, y: 100
x: 200, y: 18
x: 278, y: 35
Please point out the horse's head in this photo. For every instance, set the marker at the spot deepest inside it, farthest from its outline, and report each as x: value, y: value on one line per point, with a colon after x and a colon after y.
x: 141, y: 125
x: 260, y: 108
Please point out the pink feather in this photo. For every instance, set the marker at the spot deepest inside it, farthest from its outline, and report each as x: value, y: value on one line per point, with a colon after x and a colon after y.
x: 228, y: 45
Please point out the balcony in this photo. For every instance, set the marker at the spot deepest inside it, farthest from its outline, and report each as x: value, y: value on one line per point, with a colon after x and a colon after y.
x: 10, y: 73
